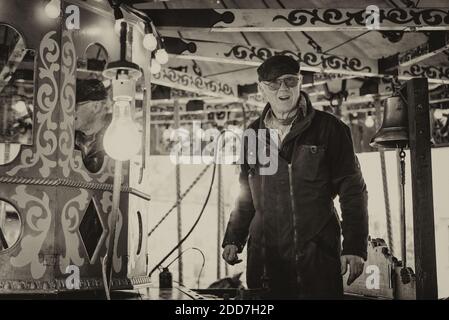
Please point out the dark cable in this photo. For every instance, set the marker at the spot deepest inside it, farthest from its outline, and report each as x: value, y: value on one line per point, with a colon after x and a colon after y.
x: 194, y: 225
x: 345, y: 42
x: 202, y: 266
x: 202, y: 209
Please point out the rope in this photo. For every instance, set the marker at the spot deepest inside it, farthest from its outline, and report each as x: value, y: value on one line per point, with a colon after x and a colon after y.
x: 387, y: 202
x: 219, y: 213
x: 179, y: 221
x: 181, y: 198
x: 70, y: 183
x: 403, y: 224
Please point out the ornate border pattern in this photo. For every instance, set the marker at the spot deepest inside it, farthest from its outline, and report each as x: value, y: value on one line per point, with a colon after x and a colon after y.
x: 47, y: 98
x: 311, y: 59
x: 70, y: 220
x: 106, y: 204
x: 196, y: 83
x: 40, y: 286
x: 69, y: 160
x: 335, y: 17
x: 434, y: 72
x: 38, y: 219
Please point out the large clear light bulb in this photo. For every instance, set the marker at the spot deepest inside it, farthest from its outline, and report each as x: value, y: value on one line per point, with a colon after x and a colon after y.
x: 53, y: 9
x: 122, y: 138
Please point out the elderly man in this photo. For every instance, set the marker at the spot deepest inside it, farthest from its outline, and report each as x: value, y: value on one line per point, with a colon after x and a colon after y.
x: 294, y: 246
x: 91, y: 121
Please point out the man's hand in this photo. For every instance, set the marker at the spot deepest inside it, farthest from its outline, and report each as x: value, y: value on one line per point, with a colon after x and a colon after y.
x: 230, y: 254
x: 355, y: 267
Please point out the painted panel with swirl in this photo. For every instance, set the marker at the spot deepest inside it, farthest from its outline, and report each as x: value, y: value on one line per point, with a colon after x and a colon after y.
x: 253, y: 55
x: 194, y: 83
x: 310, y: 19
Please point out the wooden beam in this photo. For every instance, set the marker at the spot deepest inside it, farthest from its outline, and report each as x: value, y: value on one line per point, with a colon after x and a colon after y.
x: 254, y: 56
x: 193, y: 83
x: 438, y: 42
x: 434, y: 74
x: 421, y: 172
x: 310, y: 61
x: 278, y: 20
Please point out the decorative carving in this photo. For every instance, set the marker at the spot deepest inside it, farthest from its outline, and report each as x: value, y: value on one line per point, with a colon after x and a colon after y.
x: 106, y: 203
x: 195, y: 83
x: 47, y: 98
x: 70, y: 220
x: 392, y: 36
x: 335, y: 17
x: 38, y: 220
x: 414, y: 53
x: 69, y: 160
x: 328, y: 16
x: 311, y: 59
x: 434, y: 72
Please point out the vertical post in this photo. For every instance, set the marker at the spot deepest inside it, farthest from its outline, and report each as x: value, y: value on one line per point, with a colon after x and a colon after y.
x: 147, y: 136
x: 108, y: 260
x: 178, y: 197
x: 421, y: 166
x: 219, y: 214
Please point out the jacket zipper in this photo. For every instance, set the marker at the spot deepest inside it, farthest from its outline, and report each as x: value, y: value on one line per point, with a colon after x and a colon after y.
x: 295, y: 222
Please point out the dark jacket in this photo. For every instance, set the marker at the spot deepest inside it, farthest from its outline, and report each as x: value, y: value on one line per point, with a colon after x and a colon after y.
x: 316, y: 162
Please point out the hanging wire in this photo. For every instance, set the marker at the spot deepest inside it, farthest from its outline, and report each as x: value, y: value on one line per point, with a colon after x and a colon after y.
x: 347, y: 41
x: 195, y: 181
x: 202, y: 265
x: 204, y: 204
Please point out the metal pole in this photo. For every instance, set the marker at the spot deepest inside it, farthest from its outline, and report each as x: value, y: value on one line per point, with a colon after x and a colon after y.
x: 421, y: 168
x: 219, y: 216
x: 178, y: 198
x: 107, y: 261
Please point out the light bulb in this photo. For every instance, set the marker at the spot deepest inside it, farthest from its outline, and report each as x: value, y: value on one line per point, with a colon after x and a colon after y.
x: 161, y: 56
x: 369, y: 122
x: 438, y: 114
x: 118, y: 25
x: 122, y: 138
x: 155, y: 67
x: 53, y: 9
x: 149, y: 42
x: 20, y: 107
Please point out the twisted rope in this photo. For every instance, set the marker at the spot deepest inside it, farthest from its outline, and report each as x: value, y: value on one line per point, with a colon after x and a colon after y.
x: 69, y: 183
x: 179, y: 222
x: 387, y: 201
x: 180, y: 198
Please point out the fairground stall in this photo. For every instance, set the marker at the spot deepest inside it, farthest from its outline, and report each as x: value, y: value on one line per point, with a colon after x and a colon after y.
x: 91, y: 92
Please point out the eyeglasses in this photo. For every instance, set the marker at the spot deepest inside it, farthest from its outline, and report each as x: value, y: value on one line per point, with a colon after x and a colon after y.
x: 290, y: 82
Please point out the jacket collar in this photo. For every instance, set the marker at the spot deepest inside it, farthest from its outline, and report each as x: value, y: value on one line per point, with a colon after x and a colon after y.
x: 300, y: 124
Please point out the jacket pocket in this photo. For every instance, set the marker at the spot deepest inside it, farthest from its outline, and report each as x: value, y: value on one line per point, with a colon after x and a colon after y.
x: 309, y: 160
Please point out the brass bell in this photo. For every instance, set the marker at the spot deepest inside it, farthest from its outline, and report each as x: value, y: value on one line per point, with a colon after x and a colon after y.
x: 394, y: 130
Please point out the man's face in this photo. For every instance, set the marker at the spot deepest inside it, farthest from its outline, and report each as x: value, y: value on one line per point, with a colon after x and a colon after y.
x: 282, y: 93
x: 89, y: 116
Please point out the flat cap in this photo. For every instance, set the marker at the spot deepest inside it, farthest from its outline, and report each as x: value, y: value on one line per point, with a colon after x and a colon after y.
x: 90, y: 90
x: 277, y: 66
